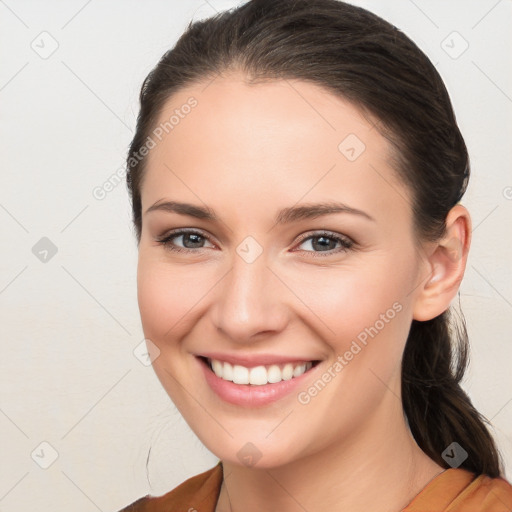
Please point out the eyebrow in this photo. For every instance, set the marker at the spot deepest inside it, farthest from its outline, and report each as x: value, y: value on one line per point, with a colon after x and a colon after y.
x: 284, y: 216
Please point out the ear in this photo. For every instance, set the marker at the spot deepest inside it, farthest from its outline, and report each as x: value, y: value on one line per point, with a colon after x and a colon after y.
x: 446, y: 265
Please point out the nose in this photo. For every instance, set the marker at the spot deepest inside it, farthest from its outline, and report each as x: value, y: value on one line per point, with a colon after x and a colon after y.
x: 250, y: 302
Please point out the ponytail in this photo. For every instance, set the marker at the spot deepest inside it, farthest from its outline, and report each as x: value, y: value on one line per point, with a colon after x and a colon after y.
x: 438, y: 410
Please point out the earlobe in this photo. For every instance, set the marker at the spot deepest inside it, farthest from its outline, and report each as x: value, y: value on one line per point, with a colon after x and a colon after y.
x: 446, y: 265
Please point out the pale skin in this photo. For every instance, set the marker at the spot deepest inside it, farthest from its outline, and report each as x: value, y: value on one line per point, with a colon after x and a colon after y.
x: 247, y: 152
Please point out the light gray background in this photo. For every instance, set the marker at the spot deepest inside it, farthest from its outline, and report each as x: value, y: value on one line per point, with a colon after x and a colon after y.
x: 70, y: 325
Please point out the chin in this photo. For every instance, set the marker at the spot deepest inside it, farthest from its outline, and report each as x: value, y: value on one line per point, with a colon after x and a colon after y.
x: 256, y: 454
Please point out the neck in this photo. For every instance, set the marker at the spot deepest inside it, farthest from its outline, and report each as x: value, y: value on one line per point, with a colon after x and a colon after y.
x: 376, y: 469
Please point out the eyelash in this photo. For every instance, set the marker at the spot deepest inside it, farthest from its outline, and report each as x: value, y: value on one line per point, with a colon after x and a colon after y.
x: 346, y: 243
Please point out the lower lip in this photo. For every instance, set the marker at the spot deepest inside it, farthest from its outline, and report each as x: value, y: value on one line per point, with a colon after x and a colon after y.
x: 249, y: 395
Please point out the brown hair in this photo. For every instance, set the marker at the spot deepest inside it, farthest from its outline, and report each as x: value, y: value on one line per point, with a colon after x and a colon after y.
x: 358, y: 56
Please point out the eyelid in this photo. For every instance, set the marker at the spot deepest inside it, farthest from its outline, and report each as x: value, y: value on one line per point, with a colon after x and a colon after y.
x: 323, y: 232
x: 347, y: 242
x: 165, y: 239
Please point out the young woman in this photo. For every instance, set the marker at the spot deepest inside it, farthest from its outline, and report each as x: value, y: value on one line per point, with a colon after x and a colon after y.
x: 295, y: 179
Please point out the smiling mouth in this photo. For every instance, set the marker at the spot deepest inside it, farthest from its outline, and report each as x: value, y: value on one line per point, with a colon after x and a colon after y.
x: 257, y: 375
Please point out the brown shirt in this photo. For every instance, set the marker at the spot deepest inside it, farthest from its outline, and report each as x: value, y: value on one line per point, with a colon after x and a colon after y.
x: 454, y: 490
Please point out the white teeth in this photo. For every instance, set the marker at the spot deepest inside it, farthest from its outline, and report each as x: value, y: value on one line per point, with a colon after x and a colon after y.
x: 227, y: 371
x: 217, y: 367
x: 240, y: 374
x: 258, y: 375
x: 299, y: 370
x: 288, y: 371
x: 274, y: 374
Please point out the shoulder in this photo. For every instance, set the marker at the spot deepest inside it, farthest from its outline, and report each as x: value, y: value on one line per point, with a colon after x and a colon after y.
x: 197, y: 494
x: 458, y: 490
x: 486, y: 493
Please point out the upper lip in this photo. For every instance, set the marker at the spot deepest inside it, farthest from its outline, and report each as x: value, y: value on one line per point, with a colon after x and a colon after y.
x: 251, y: 360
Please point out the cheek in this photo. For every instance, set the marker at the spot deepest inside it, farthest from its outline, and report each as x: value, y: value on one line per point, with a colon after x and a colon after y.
x: 373, y: 326
x: 352, y: 300
x: 166, y: 298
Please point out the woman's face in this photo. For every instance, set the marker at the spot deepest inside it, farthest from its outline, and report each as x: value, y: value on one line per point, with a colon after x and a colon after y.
x: 268, y: 281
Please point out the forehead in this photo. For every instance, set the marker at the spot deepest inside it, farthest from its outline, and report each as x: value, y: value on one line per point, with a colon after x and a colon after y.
x: 293, y: 111
x: 279, y: 140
